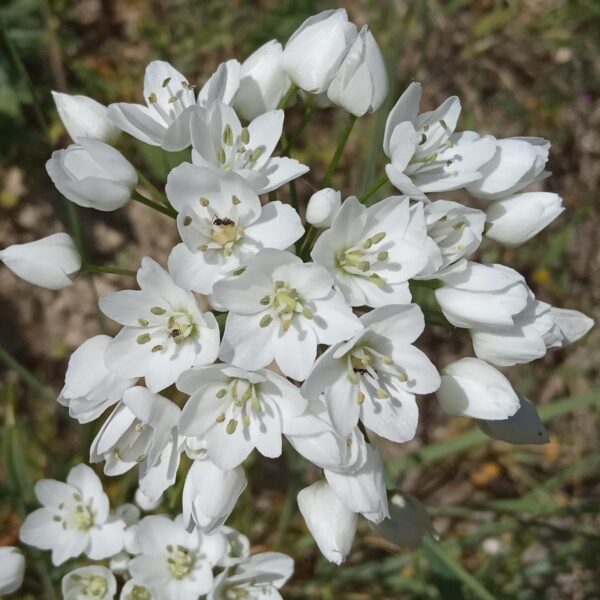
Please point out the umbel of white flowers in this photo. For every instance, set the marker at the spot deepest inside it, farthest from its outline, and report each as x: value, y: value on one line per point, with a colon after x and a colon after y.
x: 269, y: 324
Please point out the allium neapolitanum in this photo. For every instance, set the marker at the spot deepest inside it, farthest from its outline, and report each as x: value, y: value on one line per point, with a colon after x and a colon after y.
x: 264, y: 326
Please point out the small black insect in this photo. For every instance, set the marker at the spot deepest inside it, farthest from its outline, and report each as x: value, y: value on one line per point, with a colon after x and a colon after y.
x: 219, y: 222
x: 174, y: 333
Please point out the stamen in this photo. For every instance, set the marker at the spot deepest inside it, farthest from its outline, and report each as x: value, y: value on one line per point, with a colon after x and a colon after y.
x: 143, y: 339
x: 265, y: 321
x: 158, y: 310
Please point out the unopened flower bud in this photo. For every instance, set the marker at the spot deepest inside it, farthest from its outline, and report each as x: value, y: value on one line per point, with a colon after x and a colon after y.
x: 322, y: 207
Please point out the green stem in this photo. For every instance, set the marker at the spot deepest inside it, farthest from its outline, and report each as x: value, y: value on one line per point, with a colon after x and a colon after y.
x: 307, y: 242
x: 290, y: 141
x: 338, y: 151
x: 154, y: 191
x: 22, y: 69
x: 433, y: 547
x: 293, y: 194
x: 373, y: 189
x: 170, y: 212
x: 288, y: 96
x: 87, y: 268
x: 29, y: 379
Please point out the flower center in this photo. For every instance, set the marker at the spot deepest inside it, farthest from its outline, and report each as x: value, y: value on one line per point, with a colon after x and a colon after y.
x: 179, y: 327
x: 363, y: 259
x: 181, y: 561
x: 83, y: 518
x: 139, y: 593
x: 94, y: 586
x: 234, y: 153
x: 225, y: 232
x: 284, y: 303
x: 244, y: 401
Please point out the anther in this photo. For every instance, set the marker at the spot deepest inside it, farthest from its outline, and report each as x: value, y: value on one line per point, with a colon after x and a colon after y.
x: 235, y: 200
x: 157, y: 348
x: 231, y: 426
x: 222, y: 393
x: 143, y: 322
x: 158, y: 310
x: 245, y: 136
x: 265, y: 300
x: 165, y: 83
x: 265, y: 321
x: 152, y: 98
x: 381, y: 256
x: 143, y: 339
x: 204, y: 202
x: 228, y: 135
x: 220, y: 418
x: 187, y: 221
x: 221, y: 156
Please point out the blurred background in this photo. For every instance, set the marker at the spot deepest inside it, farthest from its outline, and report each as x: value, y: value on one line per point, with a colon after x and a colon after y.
x: 515, y: 522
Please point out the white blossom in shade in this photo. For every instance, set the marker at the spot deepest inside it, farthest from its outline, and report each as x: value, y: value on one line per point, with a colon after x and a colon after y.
x: 92, y: 174
x: 220, y: 142
x: 516, y: 219
x: 236, y: 411
x: 210, y: 494
x: 323, y: 206
x: 315, y: 51
x: 134, y: 589
x: 12, y: 569
x: 94, y: 581
x: 145, y: 503
x: 74, y: 518
x: 176, y: 563
x: 516, y: 163
x: 259, y: 577
x: 373, y: 252
x: 281, y: 308
x: 142, y: 431
x: 238, y: 547
x: 524, y: 427
x: 362, y: 489
x: 571, y: 326
x: 471, y: 387
x: 455, y: 232
x: 407, y: 524
x: 222, y: 225
x: 330, y: 522
x: 90, y: 388
x: 50, y: 262
x: 164, y: 330
x: 165, y: 119
x: 374, y: 376
x: 360, y: 85
x: 263, y: 82
x: 84, y: 117
x: 425, y: 154
x: 483, y: 296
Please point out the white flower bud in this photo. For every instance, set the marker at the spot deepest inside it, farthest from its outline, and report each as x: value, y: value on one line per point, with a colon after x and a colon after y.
x: 84, y: 117
x: 263, y: 82
x: 50, y: 262
x: 524, y: 427
x: 329, y: 521
x: 315, y: 51
x: 323, y: 207
x: 361, y: 83
x: 92, y: 174
x: 517, y: 163
x: 518, y: 218
x: 146, y: 503
x: 472, y: 388
x: 12, y: 569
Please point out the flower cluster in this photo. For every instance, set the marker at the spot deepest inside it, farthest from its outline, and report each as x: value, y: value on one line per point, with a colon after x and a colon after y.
x: 264, y: 327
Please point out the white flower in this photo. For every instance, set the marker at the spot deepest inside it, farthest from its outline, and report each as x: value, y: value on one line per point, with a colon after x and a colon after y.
x: 92, y: 174
x: 534, y: 330
x: 12, y: 569
x: 263, y: 82
x: 94, y: 581
x: 323, y: 206
x: 134, y: 589
x: 360, y: 85
x: 177, y: 564
x: 373, y: 252
x: 425, y: 153
x: 315, y: 51
x: 74, y: 519
x: 141, y: 430
x: 90, y: 388
x: 407, y: 524
x: 472, y: 388
x: 281, y: 308
x: 374, y: 376
x: 362, y: 488
x: 524, y: 427
x: 222, y: 85
x: 146, y: 503
x: 222, y: 224
x: 516, y: 219
x: 166, y: 118
x: 238, y: 547
x: 50, y: 262
x: 331, y: 524
x: 516, y: 163
x: 220, y: 142
x: 258, y: 577
x: 480, y: 296
x: 455, y: 231
x: 84, y: 117
x: 237, y: 411
x: 164, y: 332
x: 210, y: 494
